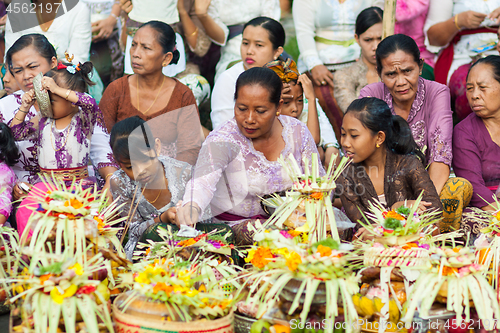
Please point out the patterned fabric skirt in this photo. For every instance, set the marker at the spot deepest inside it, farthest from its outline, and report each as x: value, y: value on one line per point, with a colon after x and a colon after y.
x: 455, y: 196
x: 460, y: 104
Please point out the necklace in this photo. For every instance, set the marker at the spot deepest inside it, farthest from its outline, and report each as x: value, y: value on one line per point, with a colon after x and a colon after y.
x: 158, y: 94
x: 52, y: 137
x: 161, y: 190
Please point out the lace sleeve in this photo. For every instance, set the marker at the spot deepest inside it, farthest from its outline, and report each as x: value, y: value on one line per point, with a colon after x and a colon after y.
x: 419, y: 179
x: 271, y: 8
x: 304, y: 13
x: 440, y: 128
x: 123, y: 192
x: 7, y: 181
x: 349, y: 195
x: 345, y: 82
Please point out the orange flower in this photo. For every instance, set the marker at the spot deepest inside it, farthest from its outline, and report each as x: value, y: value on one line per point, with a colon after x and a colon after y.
x: 324, y: 251
x: 44, y: 278
x: 261, y: 257
x: 293, y: 261
x: 162, y: 286
x: 447, y: 271
x: 394, y: 215
x: 187, y: 242
x: 317, y: 195
x: 408, y: 246
x: 456, y: 249
x: 148, y: 250
x: 294, y: 233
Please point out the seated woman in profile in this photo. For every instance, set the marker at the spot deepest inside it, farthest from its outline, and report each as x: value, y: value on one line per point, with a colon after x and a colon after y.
x: 151, y: 182
x: 238, y: 163
x: 387, y: 164
x: 476, y: 139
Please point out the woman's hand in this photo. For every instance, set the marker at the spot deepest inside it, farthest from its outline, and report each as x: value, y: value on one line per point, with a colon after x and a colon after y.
x: 104, y: 27
x: 126, y: 5
x: 18, y: 192
x: 495, y: 15
x: 363, y: 235
x: 187, y: 214
x: 470, y: 19
x: 308, y: 87
x: 201, y: 7
x: 3, y: 20
x: 322, y: 76
x: 169, y: 215
x: 27, y: 100
x: 422, y: 206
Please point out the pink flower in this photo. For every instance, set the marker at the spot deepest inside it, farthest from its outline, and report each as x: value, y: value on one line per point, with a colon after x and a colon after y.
x: 285, y: 234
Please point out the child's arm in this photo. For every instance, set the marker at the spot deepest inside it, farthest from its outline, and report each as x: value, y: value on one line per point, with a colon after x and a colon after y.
x: 91, y: 112
x: 7, y: 182
x: 21, y: 128
x: 312, y: 115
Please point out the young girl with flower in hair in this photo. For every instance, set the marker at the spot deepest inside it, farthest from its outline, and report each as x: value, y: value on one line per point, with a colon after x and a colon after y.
x: 305, y: 109
x: 9, y: 156
x: 62, y: 141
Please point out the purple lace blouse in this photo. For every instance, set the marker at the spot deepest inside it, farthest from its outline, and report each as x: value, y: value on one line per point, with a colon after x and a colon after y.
x: 475, y: 158
x: 430, y: 117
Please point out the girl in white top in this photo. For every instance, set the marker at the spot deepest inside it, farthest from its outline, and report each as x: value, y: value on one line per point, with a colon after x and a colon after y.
x: 223, y: 21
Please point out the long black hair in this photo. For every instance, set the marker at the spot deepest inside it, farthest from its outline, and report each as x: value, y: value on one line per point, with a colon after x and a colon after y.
x: 367, y: 19
x: 165, y: 36
x: 9, y: 153
x: 263, y: 77
x: 394, y: 43
x: 131, y: 134
x: 39, y: 42
x: 376, y: 116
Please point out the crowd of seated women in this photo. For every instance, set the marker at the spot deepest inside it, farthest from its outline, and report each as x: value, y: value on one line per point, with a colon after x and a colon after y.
x: 417, y: 112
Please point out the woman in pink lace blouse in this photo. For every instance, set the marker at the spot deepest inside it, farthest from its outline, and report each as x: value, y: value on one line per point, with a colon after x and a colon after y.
x: 425, y: 105
x: 238, y: 161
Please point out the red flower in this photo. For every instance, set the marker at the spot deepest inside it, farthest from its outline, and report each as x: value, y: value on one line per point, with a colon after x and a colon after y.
x: 86, y: 290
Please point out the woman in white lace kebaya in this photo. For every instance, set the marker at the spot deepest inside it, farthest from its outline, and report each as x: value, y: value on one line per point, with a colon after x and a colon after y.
x: 148, y: 184
x: 238, y: 161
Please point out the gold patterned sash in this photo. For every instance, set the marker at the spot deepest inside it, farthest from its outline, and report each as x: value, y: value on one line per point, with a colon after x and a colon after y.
x: 68, y: 174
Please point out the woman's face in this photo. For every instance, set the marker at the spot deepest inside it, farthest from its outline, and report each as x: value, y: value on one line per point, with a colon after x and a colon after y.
x: 145, y: 169
x: 357, y: 141
x: 253, y: 112
x: 400, y: 74
x: 9, y: 83
x: 483, y: 91
x: 256, y: 48
x: 146, y: 54
x: 28, y: 63
x: 368, y: 41
x: 294, y: 106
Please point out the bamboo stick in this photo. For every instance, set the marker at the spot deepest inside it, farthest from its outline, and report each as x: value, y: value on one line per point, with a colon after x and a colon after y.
x: 389, y: 19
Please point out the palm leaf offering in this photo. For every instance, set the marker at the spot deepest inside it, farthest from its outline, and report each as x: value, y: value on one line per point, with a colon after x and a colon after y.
x: 55, y: 294
x: 184, y: 290
x: 60, y: 276
x: 286, y: 270
x: 312, y: 193
x: 454, y: 279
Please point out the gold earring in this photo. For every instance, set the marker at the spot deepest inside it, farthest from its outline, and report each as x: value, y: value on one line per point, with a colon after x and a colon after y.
x: 277, y: 114
x: 378, y: 146
x: 163, y: 65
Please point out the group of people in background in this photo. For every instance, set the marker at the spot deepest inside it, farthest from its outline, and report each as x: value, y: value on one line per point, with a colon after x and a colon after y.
x: 181, y: 108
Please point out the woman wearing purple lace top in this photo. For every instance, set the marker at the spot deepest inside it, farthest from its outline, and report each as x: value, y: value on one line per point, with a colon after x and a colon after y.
x: 425, y: 105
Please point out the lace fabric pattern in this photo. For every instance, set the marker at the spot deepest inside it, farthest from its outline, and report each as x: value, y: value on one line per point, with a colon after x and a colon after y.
x: 231, y: 175
x: 7, y: 182
x: 430, y: 120
x: 404, y: 179
x: 123, y: 188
